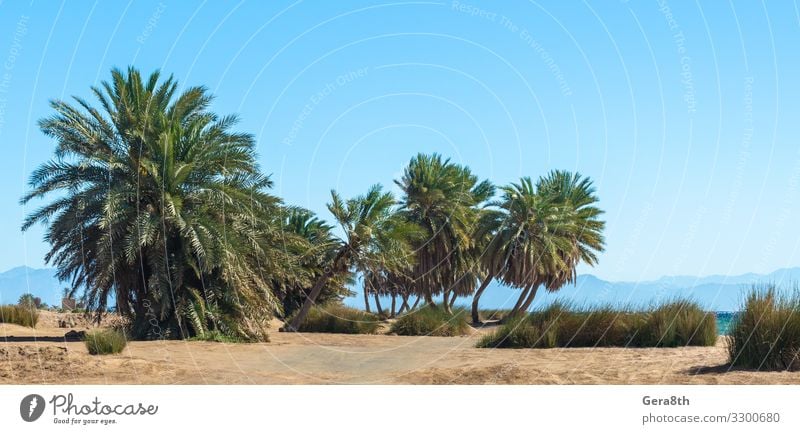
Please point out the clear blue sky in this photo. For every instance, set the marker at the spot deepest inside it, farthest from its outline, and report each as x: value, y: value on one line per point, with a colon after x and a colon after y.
x: 685, y: 114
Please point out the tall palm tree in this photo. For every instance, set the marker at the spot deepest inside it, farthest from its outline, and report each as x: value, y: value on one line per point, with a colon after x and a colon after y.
x: 443, y: 199
x: 540, y: 235
x: 154, y: 200
x: 371, y: 230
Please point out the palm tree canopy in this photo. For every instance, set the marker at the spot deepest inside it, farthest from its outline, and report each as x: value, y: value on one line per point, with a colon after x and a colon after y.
x: 543, y: 231
x: 156, y: 200
x: 443, y: 198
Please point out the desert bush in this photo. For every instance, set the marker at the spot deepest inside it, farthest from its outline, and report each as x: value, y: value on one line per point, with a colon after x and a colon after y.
x: 765, y: 335
x: 19, y: 315
x: 109, y: 341
x: 679, y: 322
x: 218, y: 336
x: 335, y: 318
x: 432, y: 321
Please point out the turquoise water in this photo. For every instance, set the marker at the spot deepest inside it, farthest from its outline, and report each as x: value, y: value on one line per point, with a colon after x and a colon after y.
x: 724, y: 322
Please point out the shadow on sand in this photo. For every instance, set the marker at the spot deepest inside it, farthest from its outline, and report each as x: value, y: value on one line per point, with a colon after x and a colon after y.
x: 18, y: 339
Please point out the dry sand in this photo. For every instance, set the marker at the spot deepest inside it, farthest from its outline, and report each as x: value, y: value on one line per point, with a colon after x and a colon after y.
x: 41, y: 355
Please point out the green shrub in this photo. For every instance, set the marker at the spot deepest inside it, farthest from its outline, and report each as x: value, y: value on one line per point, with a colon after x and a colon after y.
x: 336, y: 318
x: 432, y: 321
x: 217, y: 336
x: 766, y: 334
x: 19, y: 315
x: 678, y: 323
x: 560, y: 325
x: 105, y: 341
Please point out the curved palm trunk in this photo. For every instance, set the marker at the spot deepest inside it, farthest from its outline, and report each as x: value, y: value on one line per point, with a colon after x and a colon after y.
x: 416, y: 302
x: 312, y: 296
x: 403, y: 306
x: 338, y: 261
x: 525, y: 301
x: 476, y: 316
x: 529, y: 301
x: 520, y: 301
x: 453, y: 301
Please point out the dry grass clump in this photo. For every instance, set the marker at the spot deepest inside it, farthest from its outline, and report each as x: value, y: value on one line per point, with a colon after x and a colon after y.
x: 432, y: 321
x: 766, y: 334
x: 335, y: 318
x: 107, y: 341
x: 671, y: 324
x: 14, y: 314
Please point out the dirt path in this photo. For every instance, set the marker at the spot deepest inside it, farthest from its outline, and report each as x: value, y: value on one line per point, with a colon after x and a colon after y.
x: 307, y: 358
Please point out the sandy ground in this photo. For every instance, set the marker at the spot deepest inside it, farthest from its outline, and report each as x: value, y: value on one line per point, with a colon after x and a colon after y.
x: 41, y: 355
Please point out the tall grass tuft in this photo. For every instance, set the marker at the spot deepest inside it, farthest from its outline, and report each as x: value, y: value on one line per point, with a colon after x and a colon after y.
x: 766, y: 334
x: 336, y: 318
x: 108, y: 341
x: 14, y: 314
x: 432, y: 321
x: 675, y: 323
x: 678, y: 323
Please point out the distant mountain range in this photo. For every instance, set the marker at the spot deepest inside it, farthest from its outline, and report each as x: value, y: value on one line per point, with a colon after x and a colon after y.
x: 718, y: 293
x: 40, y: 282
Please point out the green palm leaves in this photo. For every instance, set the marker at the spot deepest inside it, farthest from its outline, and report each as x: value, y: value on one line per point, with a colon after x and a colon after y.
x: 443, y: 199
x: 541, y: 233
x: 157, y: 202
x: 375, y: 236
x: 154, y: 202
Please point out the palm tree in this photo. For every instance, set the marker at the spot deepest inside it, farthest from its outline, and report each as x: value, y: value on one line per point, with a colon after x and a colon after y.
x: 156, y: 201
x: 317, y: 248
x: 540, y: 235
x: 442, y: 198
x: 371, y: 229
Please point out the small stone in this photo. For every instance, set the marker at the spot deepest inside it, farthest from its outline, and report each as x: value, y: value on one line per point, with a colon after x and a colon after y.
x: 75, y: 335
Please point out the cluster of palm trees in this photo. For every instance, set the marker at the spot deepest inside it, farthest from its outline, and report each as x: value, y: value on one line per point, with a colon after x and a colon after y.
x: 156, y: 205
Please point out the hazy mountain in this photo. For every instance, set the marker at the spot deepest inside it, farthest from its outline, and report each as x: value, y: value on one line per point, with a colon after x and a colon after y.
x: 40, y: 282
x: 720, y: 293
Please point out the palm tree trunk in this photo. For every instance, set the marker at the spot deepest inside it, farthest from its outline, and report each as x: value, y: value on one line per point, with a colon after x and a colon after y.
x: 312, y: 296
x: 339, y: 263
x: 446, y: 301
x: 520, y: 302
x: 476, y: 316
x: 529, y: 301
x: 378, y: 303
x: 366, y: 297
x: 416, y: 302
x: 404, y: 305
x: 394, y: 305
x: 453, y: 301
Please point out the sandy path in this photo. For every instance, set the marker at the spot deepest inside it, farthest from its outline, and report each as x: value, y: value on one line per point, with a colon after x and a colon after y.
x: 347, y: 359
